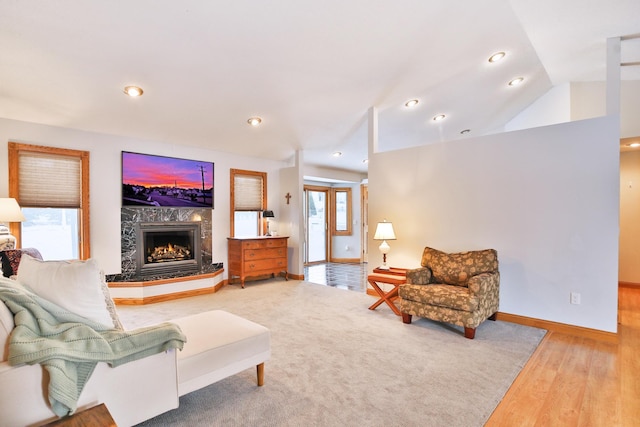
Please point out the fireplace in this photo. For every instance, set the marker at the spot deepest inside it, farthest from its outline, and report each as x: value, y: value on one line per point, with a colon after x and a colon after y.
x: 168, y: 247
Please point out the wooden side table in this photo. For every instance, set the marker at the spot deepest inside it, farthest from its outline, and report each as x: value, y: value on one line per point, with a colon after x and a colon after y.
x: 396, y: 280
x: 395, y: 271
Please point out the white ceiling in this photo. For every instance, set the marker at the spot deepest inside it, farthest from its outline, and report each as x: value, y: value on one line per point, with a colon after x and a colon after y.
x: 310, y: 69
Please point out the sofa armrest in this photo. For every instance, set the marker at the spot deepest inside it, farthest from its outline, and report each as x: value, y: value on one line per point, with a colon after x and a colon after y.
x: 133, y: 392
x: 419, y: 276
x: 485, y: 283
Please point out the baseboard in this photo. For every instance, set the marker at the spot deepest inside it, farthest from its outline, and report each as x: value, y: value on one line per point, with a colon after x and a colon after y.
x: 167, y: 297
x: 629, y: 285
x: 559, y: 327
x: 345, y: 260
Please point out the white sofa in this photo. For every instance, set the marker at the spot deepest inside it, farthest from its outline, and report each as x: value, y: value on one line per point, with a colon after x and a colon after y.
x: 219, y: 344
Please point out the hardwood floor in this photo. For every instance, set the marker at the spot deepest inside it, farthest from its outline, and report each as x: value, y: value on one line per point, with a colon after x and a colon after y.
x: 573, y: 381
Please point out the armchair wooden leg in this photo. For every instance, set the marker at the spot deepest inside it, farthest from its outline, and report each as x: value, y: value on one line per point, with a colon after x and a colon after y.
x: 494, y: 316
x: 406, y: 318
x: 469, y: 333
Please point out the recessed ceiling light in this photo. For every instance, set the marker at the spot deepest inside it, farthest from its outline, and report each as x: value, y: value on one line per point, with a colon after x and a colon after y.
x: 133, y: 90
x: 516, y: 81
x: 337, y: 153
x: 439, y: 117
x: 365, y: 161
x: 462, y: 132
x: 634, y: 144
x: 411, y: 103
x: 254, y: 121
x: 496, y: 57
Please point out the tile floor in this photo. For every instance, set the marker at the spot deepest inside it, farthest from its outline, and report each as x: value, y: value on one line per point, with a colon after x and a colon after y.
x: 345, y: 276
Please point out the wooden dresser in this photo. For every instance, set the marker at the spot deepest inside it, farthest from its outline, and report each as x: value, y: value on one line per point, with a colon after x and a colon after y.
x: 257, y: 256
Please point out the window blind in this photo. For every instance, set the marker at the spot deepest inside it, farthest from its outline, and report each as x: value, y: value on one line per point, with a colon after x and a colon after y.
x: 49, y: 180
x: 247, y: 193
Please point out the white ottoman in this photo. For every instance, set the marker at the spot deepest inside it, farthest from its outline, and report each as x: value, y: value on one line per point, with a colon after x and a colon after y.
x: 219, y: 344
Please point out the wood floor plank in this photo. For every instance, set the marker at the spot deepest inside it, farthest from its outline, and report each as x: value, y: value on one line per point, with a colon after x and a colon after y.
x: 575, y: 381
x: 568, y: 385
x: 524, y: 401
x: 629, y: 349
x: 601, y: 403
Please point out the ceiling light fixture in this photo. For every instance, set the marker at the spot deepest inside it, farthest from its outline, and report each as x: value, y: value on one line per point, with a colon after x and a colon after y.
x: 365, y: 161
x: 133, y: 91
x: 462, y: 132
x: 516, y: 81
x: 439, y: 117
x: 337, y: 153
x: 496, y: 57
x: 254, y: 121
x: 411, y: 103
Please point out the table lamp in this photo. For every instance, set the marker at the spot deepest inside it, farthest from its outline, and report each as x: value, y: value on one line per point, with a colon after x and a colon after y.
x: 268, y: 214
x: 384, y: 232
x: 9, y: 212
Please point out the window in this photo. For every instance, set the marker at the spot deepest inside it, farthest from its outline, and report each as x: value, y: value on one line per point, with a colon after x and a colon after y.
x: 341, y: 211
x: 248, y: 200
x: 52, y: 187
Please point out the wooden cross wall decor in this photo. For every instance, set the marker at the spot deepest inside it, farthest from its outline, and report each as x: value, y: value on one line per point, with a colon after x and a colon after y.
x: 288, y: 196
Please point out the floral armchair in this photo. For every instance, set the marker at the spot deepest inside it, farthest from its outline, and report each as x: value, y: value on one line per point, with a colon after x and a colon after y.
x: 458, y: 288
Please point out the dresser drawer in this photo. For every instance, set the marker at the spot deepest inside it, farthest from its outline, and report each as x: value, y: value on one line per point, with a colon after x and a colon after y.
x: 250, y: 254
x: 261, y: 244
x: 265, y: 265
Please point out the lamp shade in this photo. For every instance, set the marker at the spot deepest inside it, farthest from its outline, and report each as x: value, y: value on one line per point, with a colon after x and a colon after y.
x: 268, y: 214
x: 384, y: 231
x: 10, y: 210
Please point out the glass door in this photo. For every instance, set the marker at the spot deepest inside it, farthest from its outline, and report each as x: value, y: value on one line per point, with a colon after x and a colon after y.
x: 315, y: 224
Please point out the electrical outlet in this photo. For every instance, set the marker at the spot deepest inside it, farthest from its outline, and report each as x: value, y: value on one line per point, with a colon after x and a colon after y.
x: 575, y: 298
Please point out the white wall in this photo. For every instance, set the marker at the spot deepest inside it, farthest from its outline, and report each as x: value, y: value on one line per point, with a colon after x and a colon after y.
x: 546, y: 198
x: 105, y: 191
x: 579, y: 101
x: 291, y: 218
x: 551, y: 108
x: 588, y: 100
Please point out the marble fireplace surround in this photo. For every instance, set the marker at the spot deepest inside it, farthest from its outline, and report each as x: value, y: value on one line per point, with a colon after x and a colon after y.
x: 131, y: 217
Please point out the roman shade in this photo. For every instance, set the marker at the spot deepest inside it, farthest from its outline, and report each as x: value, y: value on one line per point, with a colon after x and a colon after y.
x: 248, y: 193
x: 49, y: 180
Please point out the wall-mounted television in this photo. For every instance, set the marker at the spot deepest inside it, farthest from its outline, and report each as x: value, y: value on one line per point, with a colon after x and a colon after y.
x: 157, y: 181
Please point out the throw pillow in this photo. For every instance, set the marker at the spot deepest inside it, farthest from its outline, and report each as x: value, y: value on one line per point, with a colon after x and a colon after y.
x: 73, y: 285
x: 11, y: 259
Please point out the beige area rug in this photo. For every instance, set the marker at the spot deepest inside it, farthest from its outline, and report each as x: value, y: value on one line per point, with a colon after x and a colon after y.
x: 336, y: 363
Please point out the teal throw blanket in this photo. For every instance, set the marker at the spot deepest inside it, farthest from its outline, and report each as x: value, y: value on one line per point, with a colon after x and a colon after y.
x: 69, y: 346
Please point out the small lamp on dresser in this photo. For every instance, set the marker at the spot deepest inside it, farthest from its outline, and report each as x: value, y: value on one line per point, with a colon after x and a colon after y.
x: 267, y: 215
x: 9, y: 212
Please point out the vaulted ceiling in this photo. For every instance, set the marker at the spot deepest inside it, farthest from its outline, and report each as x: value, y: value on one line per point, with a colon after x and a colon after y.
x: 310, y: 69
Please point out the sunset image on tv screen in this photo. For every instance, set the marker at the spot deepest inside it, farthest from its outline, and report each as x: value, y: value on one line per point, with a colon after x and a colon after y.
x: 157, y: 181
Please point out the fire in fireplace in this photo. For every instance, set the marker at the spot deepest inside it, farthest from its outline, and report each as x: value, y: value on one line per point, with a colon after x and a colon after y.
x: 168, y: 247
